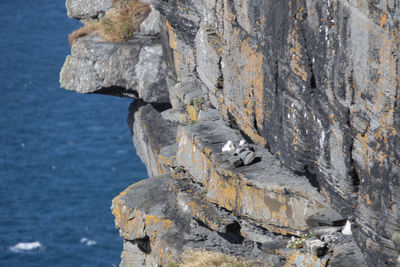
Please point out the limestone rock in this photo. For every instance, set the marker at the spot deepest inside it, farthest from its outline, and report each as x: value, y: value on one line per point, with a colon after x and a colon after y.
x: 315, y: 247
x: 347, y: 253
x: 156, y: 227
x: 316, y: 83
x: 326, y: 217
x: 82, y: 9
x: 151, y: 25
x: 131, y: 69
x: 151, y: 133
x: 263, y: 191
x: 311, y: 85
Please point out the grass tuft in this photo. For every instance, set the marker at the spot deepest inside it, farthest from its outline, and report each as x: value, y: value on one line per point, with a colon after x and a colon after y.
x: 118, y: 24
x: 202, y: 258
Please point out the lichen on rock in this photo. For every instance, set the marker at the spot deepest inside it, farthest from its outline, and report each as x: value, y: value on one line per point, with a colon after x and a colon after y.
x: 312, y: 86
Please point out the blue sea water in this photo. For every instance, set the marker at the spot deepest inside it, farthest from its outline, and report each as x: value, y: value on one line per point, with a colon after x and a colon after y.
x: 63, y: 156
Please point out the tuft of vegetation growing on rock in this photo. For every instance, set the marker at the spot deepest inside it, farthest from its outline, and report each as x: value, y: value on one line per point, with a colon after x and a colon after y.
x: 203, y: 258
x: 298, y: 242
x: 118, y: 24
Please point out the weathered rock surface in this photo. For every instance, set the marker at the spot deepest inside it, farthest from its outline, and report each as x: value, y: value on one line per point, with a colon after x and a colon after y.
x: 133, y: 69
x: 317, y: 84
x: 159, y: 218
x: 313, y: 88
x: 82, y: 9
x: 151, y: 133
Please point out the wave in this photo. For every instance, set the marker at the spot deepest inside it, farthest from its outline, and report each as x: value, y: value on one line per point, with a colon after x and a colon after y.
x: 88, y: 242
x: 20, y: 247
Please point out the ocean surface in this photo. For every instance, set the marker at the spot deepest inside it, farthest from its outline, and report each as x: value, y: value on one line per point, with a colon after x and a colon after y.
x: 63, y: 155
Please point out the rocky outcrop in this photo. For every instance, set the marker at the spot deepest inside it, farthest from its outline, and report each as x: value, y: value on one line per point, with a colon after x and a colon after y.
x: 81, y: 9
x: 312, y: 86
x: 133, y: 69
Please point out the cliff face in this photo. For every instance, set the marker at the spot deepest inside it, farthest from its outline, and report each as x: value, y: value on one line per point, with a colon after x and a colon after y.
x: 313, y: 88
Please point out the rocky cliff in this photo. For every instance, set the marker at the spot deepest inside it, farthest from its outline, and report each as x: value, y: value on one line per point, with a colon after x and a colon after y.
x: 311, y: 86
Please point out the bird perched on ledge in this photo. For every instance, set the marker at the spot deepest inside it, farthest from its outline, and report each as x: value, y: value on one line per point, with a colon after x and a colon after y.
x: 228, y: 147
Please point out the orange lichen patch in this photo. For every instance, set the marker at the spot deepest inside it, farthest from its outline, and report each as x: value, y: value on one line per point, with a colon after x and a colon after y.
x: 245, y: 125
x: 384, y: 20
x: 249, y: 109
x: 382, y: 160
x: 224, y: 191
x: 253, y: 76
x: 197, y: 211
x: 367, y: 199
x: 363, y: 139
x: 296, y: 61
x: 172, y: 39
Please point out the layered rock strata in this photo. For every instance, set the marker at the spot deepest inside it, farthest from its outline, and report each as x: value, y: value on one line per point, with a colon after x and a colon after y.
x: 312, y: 86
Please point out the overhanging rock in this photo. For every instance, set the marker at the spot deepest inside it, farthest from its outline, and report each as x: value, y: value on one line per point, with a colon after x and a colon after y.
x: 133, y: 69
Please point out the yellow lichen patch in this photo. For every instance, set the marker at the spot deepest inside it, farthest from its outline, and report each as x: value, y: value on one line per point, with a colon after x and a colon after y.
x: 298, y: 258
x: 197, y: 211
x: 163, y: 223
x: 249, y: 108
x: 253, y: 76
x: 191, y: 110
x: 164, y: 161
x: 118, y: 206
x: 224, y: 191
x: 246, y: 126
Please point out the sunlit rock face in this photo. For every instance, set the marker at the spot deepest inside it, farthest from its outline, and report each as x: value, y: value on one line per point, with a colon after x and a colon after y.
x: 312, y: 86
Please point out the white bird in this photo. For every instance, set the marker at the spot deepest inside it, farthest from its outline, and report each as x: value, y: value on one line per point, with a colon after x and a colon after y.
x: 347, y: 229
x: 242, y: 142
x: 228, y: 147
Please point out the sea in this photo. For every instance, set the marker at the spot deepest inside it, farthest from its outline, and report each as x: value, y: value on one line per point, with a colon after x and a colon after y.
x: 63, y: 155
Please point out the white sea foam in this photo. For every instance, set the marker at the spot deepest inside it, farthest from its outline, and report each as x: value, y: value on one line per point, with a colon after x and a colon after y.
x: 88, y: 242
x: 26, y: 246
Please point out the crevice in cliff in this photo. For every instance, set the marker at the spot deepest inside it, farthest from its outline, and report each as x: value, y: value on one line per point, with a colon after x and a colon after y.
x: 144, y: 244
x: 276, y: 76
x: 354, y: 176
x: 232, y: 233
x: 117, y: 91
x: 310, y: 175
x: 220, y: 80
